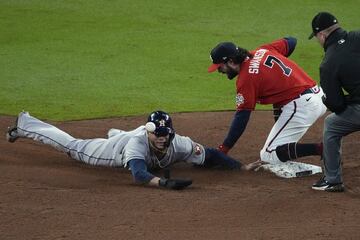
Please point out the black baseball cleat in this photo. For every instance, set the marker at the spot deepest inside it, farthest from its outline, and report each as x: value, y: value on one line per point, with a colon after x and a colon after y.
x: 11, y: 134
x: 323, y: 185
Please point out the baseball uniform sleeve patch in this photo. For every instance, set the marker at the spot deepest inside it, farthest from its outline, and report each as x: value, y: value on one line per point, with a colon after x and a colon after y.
x: 239, y: 100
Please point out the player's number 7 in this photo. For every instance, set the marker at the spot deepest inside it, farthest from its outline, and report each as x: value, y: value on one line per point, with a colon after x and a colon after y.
x: 270, y: 60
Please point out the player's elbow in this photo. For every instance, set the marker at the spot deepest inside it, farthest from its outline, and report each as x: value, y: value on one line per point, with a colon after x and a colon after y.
x: 291, y: 41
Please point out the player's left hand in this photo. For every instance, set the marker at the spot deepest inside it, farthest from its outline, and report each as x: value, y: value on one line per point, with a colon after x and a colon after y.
x: 175, y: 184
x: 253, y: 166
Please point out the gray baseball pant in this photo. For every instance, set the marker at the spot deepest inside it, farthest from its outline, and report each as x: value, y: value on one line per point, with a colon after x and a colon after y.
x: 98, y: 151
x: 336, y: 126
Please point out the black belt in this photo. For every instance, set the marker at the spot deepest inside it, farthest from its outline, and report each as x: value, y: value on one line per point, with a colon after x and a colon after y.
x: 307, y: 91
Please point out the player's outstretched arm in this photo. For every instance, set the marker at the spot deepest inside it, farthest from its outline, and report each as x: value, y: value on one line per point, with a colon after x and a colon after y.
x: 141, y: 175
x: 216, y: 158
x: 139, y: 171
x: 253, y: 165
x: 237, y: 128
x: 174, y: 184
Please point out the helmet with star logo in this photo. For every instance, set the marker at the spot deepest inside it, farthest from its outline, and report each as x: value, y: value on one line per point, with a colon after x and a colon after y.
x: 160, y: 123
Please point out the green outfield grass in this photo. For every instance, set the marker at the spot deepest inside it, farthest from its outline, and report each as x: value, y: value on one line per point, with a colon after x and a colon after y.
x: 67, y: 59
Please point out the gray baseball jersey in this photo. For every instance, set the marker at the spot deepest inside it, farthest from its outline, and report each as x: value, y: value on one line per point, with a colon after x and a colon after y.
x: 116, y: 150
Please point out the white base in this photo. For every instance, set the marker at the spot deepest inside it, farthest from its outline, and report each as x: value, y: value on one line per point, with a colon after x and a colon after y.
x: 292, y: 169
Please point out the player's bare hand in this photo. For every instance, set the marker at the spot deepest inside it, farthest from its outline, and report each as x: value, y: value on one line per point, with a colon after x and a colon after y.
x: 253, y: 166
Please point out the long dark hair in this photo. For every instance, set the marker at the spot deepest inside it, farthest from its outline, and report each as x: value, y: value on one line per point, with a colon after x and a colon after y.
x: 241, y: 55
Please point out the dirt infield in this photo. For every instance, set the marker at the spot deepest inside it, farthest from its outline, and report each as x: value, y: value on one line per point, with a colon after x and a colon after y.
x: 46, y: 195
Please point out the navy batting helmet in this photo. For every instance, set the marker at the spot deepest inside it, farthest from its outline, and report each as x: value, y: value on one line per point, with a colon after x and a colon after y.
x: 160, y: 124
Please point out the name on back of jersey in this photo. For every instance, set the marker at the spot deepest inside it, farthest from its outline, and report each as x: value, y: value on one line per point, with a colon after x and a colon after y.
x: 255, y: 61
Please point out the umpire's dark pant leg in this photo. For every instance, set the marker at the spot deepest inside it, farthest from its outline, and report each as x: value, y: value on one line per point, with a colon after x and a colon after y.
x: 336, y: 126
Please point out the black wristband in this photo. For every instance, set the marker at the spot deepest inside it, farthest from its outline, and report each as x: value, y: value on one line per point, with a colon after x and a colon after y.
x: 162, y: 182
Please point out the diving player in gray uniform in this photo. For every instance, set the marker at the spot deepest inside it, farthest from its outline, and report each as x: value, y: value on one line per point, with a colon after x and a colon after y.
x: 152, y: 146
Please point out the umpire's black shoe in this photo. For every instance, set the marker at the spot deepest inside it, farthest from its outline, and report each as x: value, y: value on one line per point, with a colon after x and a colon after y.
x: 324, y: 185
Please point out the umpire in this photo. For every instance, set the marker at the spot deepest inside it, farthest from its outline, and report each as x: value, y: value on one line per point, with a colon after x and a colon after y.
x: 339, y: 70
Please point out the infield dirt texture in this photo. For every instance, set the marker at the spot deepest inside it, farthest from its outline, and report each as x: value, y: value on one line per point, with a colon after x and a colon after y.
x: 46, y: 195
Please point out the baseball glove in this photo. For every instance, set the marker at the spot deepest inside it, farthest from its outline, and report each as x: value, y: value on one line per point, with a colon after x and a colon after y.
x: 175, y: 184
